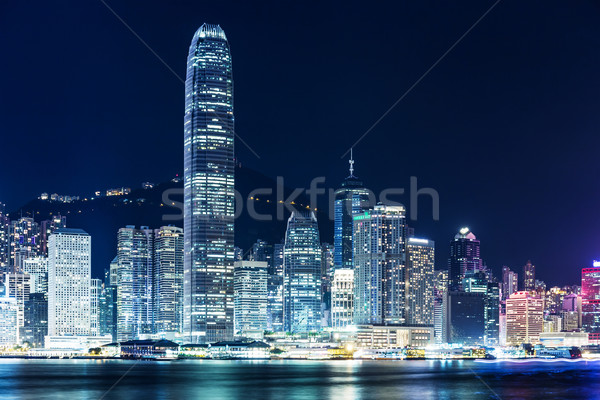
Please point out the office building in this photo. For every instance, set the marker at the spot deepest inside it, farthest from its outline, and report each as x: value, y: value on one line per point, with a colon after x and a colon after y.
x: 250, y: 296
x: 275, y: 290
x: 37, y: 269
x: 18, y: 286
x: 342, y: 298
x: 95, y: 293
x: 168, y: 281
x: 24, y: 242
x: 208, y: 188
x: 510, y: 282
x: 464, y: 258
x: 69, y: 270
x: 350, y: 199
x: 492, y: 314
x: 35, y: 326
x: 4, y: 239
x: 464, y: 315
x: 590, y: 293
x: 524, y: 318
x: 8, y: 322
x: 528, y: 275
x: 134, y: 275
x: 380, y: 266
x: 47, y: 228
x: 420, y: 281
x: 302, y: 273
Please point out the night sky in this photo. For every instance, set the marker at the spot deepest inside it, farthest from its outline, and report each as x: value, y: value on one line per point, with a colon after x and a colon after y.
x: 505, y: 128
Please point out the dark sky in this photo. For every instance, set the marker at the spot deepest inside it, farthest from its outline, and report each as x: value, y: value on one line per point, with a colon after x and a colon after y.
x: 505, y: 128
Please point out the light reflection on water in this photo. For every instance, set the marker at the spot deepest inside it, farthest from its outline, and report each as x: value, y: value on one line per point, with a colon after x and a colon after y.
x: 265, y: 380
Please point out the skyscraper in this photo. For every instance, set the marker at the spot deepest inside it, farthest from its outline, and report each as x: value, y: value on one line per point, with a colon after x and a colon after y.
x: 342, y: 298
x: 590, y: 293
x: 350, y: 199
x: 524, y: 318
x: 95, y: 293
x: 492, y: 314
x: 302, y: 273
x: 35, y: 326
x: 208, y: 188
x: 510, y: 282
x: 275, y: 290
x: 24, y: 242
x: 4, y: 239
x: 420, y: 258
x: 47, y: 228
x: 529, y: 277
x: 380, y: 265
x: 69, y: 274
x: 37, y: 268
x: 134, y: 282
x: 250, y: 296
x: 168, y: 280
x: 464, y: 258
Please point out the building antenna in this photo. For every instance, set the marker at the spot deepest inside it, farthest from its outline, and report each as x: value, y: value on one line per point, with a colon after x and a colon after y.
x: 351, y: 162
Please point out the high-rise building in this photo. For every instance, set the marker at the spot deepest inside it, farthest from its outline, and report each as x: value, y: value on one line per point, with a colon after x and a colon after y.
x: 8, y: 321
x: 510, y: 282
x: 208, y: 188
x: 590, y: 293
x: 275, y: 290
x: 350, y: 199
x: 464, y: 316
x: 420, y: 259
x: 440, y: 288
x: 95, y: 293
x: 327, y: 268
x: 18, y: 286
x: 250, y: 296
x: 475, y: 282
x: 302, y: 273
x: 107, y: 314
x: 35, y: 327
x: 24, y: 242
x: 135, y: 258
x: 492, y: 314
x: 529, y: 277
x: 168, y: 280
x: 342, y: 298
x: 380, y: 266
x: 47, y: 228
x: 464, y: 258
x: 4, y: 239
x: 524, y: 318
x: 37, y: 269
x: 69, y: 274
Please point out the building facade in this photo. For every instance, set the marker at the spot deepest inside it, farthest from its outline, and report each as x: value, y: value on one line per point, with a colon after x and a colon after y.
x: 420, y: 260
x: 342, y: 298
x: 590, y: 293
x: 250, y: 296
x: 380, y: 266
x: 302, y: 273
x: 208, y: 188
x: 464, y: 258
x: 69, y: 275
x: 524, y: 318
x: 168, y: 281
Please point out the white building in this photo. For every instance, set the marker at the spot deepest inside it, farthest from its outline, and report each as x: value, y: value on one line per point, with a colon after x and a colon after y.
x: 524, y: 318
x: 18, y: 287
x: 69, y: 270
x: 8, y: 321
x: 250, y: 295
x: 37, y: 268
x: 342, y: 298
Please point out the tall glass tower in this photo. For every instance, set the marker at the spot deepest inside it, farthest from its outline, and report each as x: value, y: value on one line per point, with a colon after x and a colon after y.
x: 208, y: 188
x: 302, y: 274
x: 350, y: 199
x: 464, y: 258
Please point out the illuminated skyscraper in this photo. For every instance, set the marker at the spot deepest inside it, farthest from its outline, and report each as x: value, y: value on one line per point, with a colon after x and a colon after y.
x: 24, y: 242
x: 524, y: 318
x: 510, y: 282
x: 4, y: 239
x: 380, y: 266
x: 464, y: 258
x: 69, y: 279
x: 134, y: 282
x: 302, y: 273
x: 168, y: 280
x: 352, y: 198
x: 590, y: 293
x: 47, y: 228
x: 250, y: 296
x: 529, y: 277
x: 275, y: 290
x: 37, y: 268
x: 342, y: 298
x: 208, y: 188
x: 420, y: 258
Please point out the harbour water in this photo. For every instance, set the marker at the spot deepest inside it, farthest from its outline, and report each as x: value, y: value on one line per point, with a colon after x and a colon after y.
x: 351, y: 379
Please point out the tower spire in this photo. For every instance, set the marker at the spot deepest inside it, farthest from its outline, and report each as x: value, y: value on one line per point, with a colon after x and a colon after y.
x: 351, y: 162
